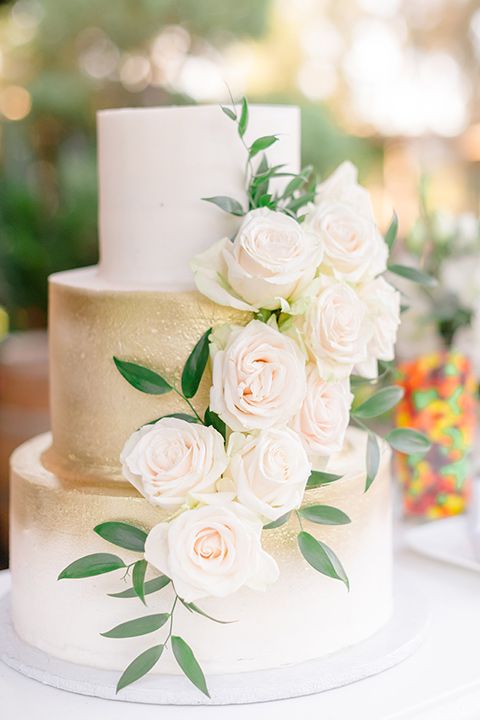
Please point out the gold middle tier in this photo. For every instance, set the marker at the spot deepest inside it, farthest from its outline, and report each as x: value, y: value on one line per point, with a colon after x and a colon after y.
x: 93, y: 408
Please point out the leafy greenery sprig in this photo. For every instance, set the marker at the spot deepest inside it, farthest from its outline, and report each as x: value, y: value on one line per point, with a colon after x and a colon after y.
x: 132, y: 538
x: 298, y: 192
x: 152, y: 383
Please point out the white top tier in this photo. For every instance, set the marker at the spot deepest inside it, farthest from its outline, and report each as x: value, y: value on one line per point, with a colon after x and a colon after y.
x: 156, y: 165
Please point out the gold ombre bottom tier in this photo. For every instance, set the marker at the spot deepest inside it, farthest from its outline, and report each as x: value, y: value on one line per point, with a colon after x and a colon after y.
x: 93, y: 408
x: 303, y: 616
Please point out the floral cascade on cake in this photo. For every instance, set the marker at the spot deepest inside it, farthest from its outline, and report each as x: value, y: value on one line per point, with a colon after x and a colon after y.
x: 305, y: 265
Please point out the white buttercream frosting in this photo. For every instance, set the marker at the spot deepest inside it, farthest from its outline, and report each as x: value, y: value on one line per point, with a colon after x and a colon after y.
x: 156, y: 165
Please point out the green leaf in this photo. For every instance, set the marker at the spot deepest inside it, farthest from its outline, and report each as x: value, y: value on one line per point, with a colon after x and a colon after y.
x: 321, y: 557
x: 278, y: 522
x: 373, y: 459
x: 228, y: 204
x: 261, y: 144
x: 138, y: 578
x: 416, y: 276
x: 324, y: 515
x: 297, y: 203
x: 90, y: 565
x: 194, y: 608
x: 391, y: 234
x: 213, y: 420
x: 408, y: 441
x: 139, y: 626
x: 179, y: 416
x: 317, y: 478
x: 228, y: 112
x: 151, y: 586
x: 195, y: 366
x: 123, y: 535
x: 243, y: 122
x: 140, y: 666
x: 188, y: 663
x: 379, y: 403
x: 143, y: 379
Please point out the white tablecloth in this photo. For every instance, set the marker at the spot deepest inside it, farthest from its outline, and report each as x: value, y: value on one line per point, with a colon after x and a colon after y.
x: 441, y: 681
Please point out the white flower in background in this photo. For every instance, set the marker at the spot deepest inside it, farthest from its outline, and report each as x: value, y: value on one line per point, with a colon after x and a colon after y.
x: 268, y: 472
x: 461, y: 277
x: 323, y: 418
x: 383, y: 303
x: 336, y: 329
x: 354, y: 250
x: 271, y: 260
x: 342, y: 186
x: 258, y: 377
x: 172, y: 460
x: 211, y: 550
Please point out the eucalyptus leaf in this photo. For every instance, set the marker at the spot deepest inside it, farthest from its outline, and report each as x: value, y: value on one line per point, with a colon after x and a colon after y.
x: 373, y: 459
x: 229, y: 112
x: 278, y: 522
x: 138, y: 579
x: 407, y: 440
x: 178, y: 416
x: 151, y: 586
x: 392, y: 231
x: 228, y: 204
x: 195, y: 366
x: 140, y: 626
x: 317, y: 478
x: 123, y: 535
x: 90, y: 565
x: 140, y: 666
x: 142, y: 378
x: 243, y: 122
x: 299, y: 202
x: 416, y: 276
x: 261, y: 144
x: 188, y: 664
x: 325, y: 515
x: 213, y: 420
x: 194, y: 608
x: 321, y: 557
x: 379, y: 403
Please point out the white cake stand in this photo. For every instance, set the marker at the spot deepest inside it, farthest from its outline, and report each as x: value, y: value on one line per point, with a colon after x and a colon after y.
x: 395, y: 642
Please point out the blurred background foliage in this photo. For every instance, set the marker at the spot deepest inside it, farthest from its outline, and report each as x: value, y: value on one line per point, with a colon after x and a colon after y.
x: 391, y: 84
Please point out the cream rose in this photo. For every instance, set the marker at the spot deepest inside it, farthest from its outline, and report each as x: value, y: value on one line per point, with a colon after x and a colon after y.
x: 258, y: 379
x: 354, y: 250
x: 336, y: 329
x: 342, y: 186
x: 271, y: 260
x: 383, y: 303
x: 268, y: 472
x: 211, y: 550
x: 172, y: 460
x: 323, y: 418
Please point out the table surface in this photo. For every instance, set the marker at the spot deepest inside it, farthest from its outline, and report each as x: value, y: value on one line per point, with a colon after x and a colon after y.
x: 440, y: 681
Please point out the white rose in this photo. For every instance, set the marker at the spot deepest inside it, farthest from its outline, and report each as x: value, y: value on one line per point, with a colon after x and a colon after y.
x: 258, y: 379
x: 342, y: 186
x: 268, y: 472
x: 211, y: 550
x: 354, y: 250
x: 173, y: 459
x: 383, y: 303
x: 323, y: 418
x: 336, y: 329
x: 272, y: 258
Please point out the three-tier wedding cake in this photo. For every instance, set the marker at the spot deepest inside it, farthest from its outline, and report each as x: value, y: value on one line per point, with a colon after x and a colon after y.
x: 225, y: 515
